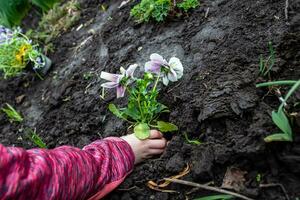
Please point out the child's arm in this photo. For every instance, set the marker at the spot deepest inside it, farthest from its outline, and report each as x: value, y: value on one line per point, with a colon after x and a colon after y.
x: 64, y: 172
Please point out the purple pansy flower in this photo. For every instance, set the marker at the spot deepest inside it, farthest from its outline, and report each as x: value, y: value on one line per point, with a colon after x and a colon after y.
x: 119, y: 81
x: 171, y: 71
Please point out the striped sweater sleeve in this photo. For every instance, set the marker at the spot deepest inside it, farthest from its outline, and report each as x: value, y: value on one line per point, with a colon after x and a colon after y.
x: 64, y: 172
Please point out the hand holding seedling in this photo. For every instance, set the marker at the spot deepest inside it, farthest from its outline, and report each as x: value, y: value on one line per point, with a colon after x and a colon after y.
x: 143, y: 109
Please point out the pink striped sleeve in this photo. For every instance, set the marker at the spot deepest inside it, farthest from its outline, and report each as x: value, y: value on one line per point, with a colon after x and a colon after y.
x: 64, y: 172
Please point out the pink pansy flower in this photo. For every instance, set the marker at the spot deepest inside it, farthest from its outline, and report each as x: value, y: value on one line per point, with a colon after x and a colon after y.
x: 171, y: 71
x: 119, y: 81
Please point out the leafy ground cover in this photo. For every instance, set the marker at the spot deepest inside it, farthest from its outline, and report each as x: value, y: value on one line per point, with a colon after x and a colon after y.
x: 216, y: 101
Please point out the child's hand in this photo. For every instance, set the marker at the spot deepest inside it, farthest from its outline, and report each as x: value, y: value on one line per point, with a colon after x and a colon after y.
x: 144, y: 149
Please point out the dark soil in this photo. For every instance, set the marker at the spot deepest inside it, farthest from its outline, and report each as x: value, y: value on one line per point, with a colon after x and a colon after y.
x: 216, y: 100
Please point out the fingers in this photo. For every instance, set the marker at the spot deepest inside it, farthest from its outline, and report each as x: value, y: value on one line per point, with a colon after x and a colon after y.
x: 155, y: 134
x: 157, y: 143
x: 155, y: 151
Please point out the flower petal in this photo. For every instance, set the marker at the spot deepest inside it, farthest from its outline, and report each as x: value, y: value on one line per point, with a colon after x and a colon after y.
x: 122, y: 70
x: 158, y: 59
x: 130, y: 70
x: 172, y: 76
x: 165, y: 80
x: 109, y: 85
x: 109, y: 77
x: 176, y: 64
x: 120, y: 91
x: 152, y: 67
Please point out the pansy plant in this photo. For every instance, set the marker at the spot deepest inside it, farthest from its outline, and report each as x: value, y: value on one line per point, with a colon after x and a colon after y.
x: 16, y: 52
x: 143, y: 109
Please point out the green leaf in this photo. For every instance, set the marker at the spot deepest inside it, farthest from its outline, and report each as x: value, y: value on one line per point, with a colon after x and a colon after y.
x: 12, y: 114
x: 35, y: 138
x: 112, y: 108
x: 196, y: 142
x: 142, y: 131
x: 45, y: 4
x: 166, y: 126
x: 216, y: 197
x: 132, y: 112
x: 279, y: 137
x: 280, y: 119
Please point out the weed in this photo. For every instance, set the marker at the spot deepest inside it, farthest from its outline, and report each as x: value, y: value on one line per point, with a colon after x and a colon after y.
x: 158, y: 10
x: 279, y: 117
x: 12, y: 114
x: 195, y: 142
x: 88, y: 75
x: 265, y: 65
x: 143, y: 109
x: 58, y: 20
x: 35, y: 138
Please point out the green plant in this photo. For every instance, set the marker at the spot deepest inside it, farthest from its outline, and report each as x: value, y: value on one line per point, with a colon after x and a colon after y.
x: 13, y: 11
x: 12, y: 114
x: 88, y: 75
x: 265, y: 65
x: 58, y: 20
x: 143, y: 109
x: 216, y: 197
x: 158, y: 10
x: 151, y: 9
x: 16, y: 52
x: 186, y: 5
x: 258, y: 178
x: 33, y: 136
x: 45, y: 5
x: 195, y: 142
x: 279, y: 117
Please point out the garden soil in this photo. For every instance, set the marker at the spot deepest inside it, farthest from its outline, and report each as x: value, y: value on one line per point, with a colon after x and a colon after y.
x: 216, y: 101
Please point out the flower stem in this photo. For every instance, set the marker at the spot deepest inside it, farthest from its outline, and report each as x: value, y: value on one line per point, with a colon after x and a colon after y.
x: 156, y: 82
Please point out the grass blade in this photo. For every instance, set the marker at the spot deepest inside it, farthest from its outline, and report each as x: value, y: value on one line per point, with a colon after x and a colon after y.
x: 272, y: 83
x: 35, y: 138
x: 12, y: 114
x: 216, y: 197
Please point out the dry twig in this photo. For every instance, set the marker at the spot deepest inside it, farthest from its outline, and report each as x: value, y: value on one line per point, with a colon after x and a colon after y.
x: 276, y: 185
x: 206, y: 13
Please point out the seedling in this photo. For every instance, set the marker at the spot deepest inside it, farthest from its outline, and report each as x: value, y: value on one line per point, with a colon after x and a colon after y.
x: 88, y: 75
x: 16, y: 52
x: 143, y: 109
x: 258, y: 178
x: 35, y: 138
x: 279, y: 117
x: 195, y: 142
x: 12, y: 114
x: 158, y: 10
x: 265, y: 65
